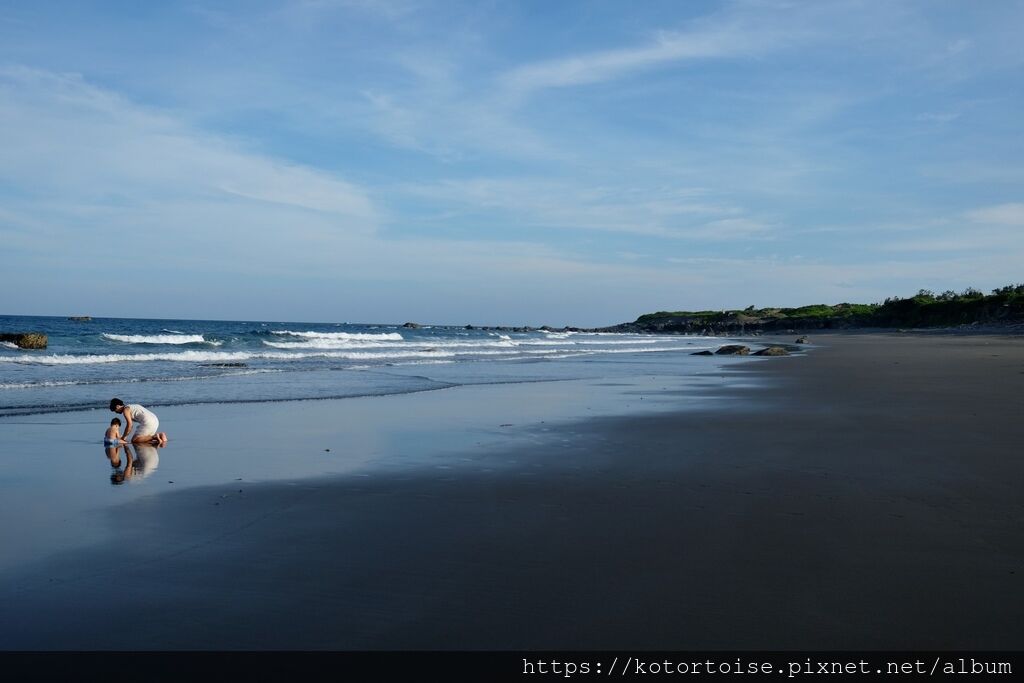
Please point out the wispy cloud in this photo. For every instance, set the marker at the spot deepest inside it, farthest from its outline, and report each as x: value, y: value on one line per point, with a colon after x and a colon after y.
x: 666, y: 212
x: 739, y: 30
x: 595, y: 67
x: 1011, y: 214
x: 988, y: 229
x: 67, y: 138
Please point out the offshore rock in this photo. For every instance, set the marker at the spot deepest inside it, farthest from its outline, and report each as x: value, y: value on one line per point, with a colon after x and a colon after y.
x: 412, y: 326
x: 26, y: 340
x: 772, y: 351
x: 705, y: 352
x: 733, y: 350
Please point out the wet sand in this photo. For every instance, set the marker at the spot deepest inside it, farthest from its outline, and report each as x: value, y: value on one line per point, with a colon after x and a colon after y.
x: 867, y: 495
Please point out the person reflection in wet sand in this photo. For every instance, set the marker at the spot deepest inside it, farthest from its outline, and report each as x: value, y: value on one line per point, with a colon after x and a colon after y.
x: 146, y: 460
x: 140, y: 461
x: 114, y: 456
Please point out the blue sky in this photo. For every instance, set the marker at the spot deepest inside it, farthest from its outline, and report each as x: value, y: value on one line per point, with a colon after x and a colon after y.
x: 506, y: 162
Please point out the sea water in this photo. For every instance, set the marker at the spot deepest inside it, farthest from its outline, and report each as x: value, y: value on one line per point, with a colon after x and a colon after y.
x: 179, y: 362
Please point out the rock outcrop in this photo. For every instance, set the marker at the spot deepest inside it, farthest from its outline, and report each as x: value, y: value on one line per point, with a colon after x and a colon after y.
x: 772, y: 351
x: 25, y: 340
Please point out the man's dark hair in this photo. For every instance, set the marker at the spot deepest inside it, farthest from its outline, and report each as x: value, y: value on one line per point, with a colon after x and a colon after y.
x: 115, y: 403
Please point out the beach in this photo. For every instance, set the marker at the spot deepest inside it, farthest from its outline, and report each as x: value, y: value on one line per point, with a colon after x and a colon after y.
x: 863, y: 495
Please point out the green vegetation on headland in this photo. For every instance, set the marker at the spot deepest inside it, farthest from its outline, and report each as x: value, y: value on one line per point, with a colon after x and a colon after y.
x: 1004, y: 306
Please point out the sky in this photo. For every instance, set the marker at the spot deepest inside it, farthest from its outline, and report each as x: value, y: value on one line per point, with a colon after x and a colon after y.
x: 561, y: 163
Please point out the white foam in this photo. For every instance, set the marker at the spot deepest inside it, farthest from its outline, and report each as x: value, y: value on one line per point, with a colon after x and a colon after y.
x: 418, y: 362
x: 328, y: 344
x: 211, y: 356
x: 639, y: 349
x: 160, y: 339
x: 569, y: 343
x: 387, y: 336
x: 8, y: 345
x: 332, y: 343
x: 131, y: 380
x: 34, y: 385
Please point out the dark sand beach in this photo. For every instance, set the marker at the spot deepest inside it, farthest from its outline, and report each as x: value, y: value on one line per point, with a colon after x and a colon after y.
x: 865, y: 495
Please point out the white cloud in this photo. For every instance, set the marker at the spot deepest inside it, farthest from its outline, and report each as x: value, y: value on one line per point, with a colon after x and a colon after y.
x: 68, y: 139
x: 988, y: 229
x: 667, y: 212
x: 1002, y: 214
x: 739, y: 30
x: 605, y: 65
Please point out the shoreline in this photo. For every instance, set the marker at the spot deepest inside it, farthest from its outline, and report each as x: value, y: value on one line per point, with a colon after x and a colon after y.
x: 858, y: 497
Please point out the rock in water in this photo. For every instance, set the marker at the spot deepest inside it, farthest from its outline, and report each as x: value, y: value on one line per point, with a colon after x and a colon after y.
x: 705, y: 352
x: 412, y: 326
x: 80, y: 318
x: 772, y: 351
x: 733, y: 350
x: 26, y: 340
x: 803, y: 340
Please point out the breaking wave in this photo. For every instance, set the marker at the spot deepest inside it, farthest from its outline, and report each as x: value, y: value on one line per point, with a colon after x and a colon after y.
x: 160, y: 339
x: 348, y: 336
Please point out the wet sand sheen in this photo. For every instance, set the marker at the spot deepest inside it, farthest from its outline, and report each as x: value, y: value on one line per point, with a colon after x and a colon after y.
x: 864, y: 497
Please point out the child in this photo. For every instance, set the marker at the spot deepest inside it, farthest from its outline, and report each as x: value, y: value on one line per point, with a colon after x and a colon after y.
x: 112, y: 437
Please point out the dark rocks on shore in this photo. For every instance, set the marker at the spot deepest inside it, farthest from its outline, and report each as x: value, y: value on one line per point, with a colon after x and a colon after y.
x: 733, y: 350
x: 705, y: 352
x: 26, y: 340
x: 772, y: 351
x: 803, y: 340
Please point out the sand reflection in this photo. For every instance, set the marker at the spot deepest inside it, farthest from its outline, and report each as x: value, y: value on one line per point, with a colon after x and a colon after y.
x: 132, y: 462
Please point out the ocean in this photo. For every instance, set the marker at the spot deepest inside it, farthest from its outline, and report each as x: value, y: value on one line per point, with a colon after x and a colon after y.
x: 180, y: 362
